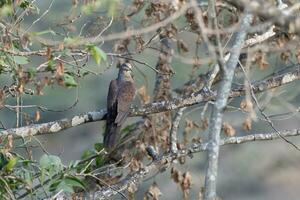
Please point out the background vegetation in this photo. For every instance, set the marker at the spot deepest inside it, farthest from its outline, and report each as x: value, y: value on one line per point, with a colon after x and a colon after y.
x: 58, y: 57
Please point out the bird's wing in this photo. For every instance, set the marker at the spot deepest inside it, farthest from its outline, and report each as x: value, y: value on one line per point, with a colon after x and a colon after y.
x: 112, y: 100
x: 111, y: 130
x: 125, y: 97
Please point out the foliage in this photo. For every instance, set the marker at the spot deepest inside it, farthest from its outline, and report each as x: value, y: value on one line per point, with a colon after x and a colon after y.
x: 43, y: 52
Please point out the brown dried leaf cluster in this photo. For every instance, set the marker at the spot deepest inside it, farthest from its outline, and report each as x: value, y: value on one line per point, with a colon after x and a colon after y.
x: 153, y: 193
x: 184, y: 180
x: 132, y: 188
x: 260, y: 59
x: 246, y: 105
x: 247, y: 124
x: 145, y: 97
x: 189, y: 127
x: 228, y: 130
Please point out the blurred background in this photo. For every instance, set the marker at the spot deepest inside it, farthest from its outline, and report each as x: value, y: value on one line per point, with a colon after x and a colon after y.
x: 257, y: 170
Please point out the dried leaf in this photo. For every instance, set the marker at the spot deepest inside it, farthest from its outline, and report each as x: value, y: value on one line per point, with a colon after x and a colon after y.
x: 298, y: 56
x: 139, y: 43
x: 9, y: 145
x: 143, y: 94
x: 261, y: 60
x: 197, y: 140
x: 59, y: 69
x: 204, y: 124
x: 284, y: 56
x: 186, y: 185
x: 20, y: 88
x: 246, y: 105
x: 61, y: 46
x: 228, y: 129
x: 135, y: 165
x: 37, y: 116
x: 49, y: 53
x: 132, y: 188
x: 182, y: 47
x: 189, y: 126
x: 2, y: 98
x: 247, y: 124
x: 176, y: 175
x: 153, y: 192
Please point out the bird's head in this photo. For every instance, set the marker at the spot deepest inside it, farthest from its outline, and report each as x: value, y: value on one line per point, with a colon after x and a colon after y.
x: 125, y: 71
x: 127, y: 67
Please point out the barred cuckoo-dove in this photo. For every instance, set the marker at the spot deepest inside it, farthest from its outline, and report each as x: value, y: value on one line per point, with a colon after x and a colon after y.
x: 120, y: 95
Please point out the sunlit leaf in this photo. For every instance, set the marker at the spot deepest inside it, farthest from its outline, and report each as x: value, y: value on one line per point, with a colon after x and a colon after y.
x: 97, y: 53
x: 11, y: 163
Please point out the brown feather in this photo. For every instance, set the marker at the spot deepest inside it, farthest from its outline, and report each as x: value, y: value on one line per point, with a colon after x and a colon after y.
x: 111, y: 128
x: 125, y: 97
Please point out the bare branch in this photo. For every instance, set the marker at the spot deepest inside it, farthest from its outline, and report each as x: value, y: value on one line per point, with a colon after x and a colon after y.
x: 174, y: 129
x: 219, y: 106
x: 164, y: 162
x: 156, y: 107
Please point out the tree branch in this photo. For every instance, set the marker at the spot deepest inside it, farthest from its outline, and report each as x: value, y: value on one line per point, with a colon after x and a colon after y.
x: 215, y: 124
x: 152, y: 108
x: 165, y: 161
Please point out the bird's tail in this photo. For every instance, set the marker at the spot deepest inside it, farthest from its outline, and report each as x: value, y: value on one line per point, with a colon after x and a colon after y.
x: 111, y: 135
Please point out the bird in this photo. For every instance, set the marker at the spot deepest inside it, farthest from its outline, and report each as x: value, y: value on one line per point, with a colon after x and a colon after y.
x: 121, y: 93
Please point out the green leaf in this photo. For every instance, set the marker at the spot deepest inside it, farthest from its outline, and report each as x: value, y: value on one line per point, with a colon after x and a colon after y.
x: 65, y: 187
x: 24, y: 4
x: 51, y: 163
x: 47, y: 161
x: 98, y: 146
x: 74, y: 164
x: 20, y: 60
x: 69, y: 80
x: 6, y: 10
x: 3, y: 161
x: 54, y: 185
x: 43, y: 175
x: 28, y: 177
x: 73, y: 181
x: 100, y: 161
x: 51, y: 65
x: 97, y: 53
x: 11, y: 163
x: 87, y: 153
x: 31, y: 72
x: 67, y: 184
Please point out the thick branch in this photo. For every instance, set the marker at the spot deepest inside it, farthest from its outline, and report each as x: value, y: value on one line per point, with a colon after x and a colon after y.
x: 161, y: 106
x: 219, y: 106
x: 165, y: 161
